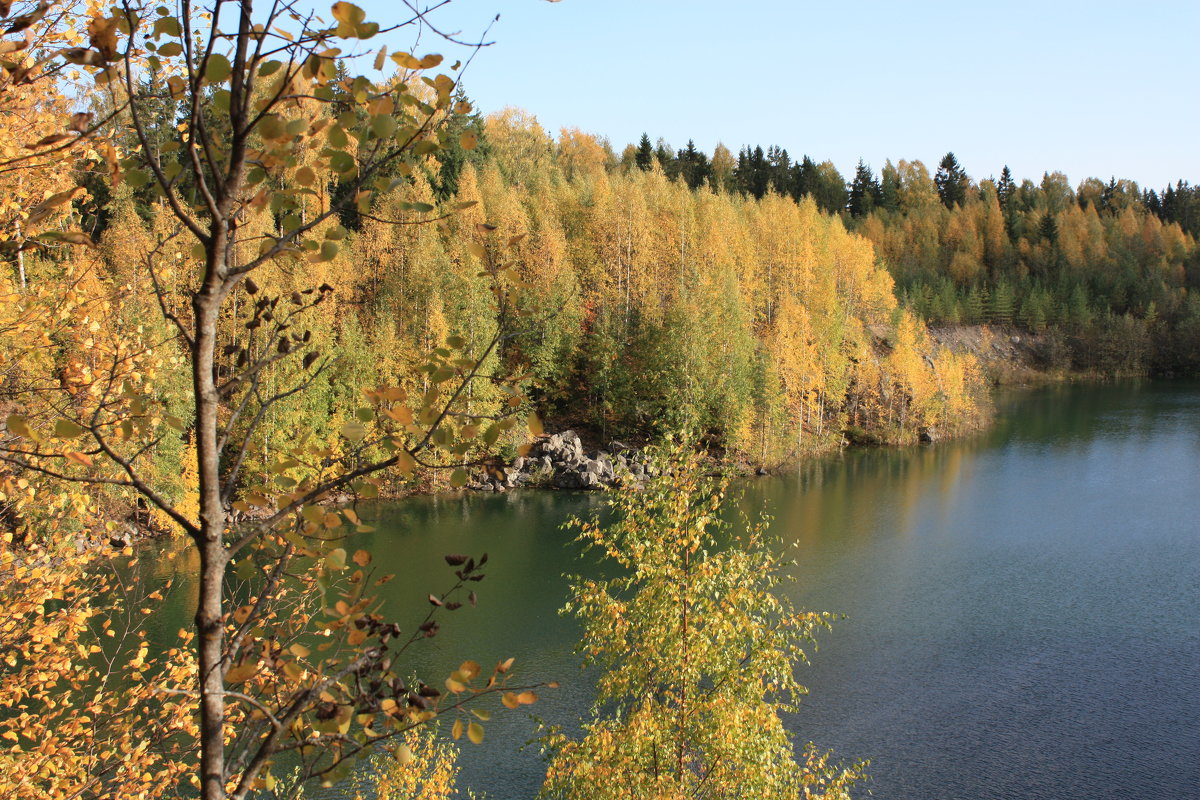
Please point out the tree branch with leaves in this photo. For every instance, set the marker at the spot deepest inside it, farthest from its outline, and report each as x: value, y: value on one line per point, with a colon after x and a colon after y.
x: 271, y: 111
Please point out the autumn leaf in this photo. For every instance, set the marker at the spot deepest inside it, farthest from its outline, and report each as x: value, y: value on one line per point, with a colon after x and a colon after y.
x: 348, y: 13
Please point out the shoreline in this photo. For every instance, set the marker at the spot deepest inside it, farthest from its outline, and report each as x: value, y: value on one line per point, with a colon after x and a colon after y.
x: 1008, y: 357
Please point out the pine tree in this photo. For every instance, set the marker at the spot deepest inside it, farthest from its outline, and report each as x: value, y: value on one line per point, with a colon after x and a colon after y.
x: 1048, y: 229
x: 951, y: 181
x: 455, y: 156
x: 977, y: 301
x: 779, y: 167
x: 1000, y: 307
x: 756, y: 177
x: 1005, y: 188
x: 645, y: 153
x: 865, y: 191
x: 1151, y: 201
x: 804, y: 178
x: 693, y: 166
x: 1079, y: 311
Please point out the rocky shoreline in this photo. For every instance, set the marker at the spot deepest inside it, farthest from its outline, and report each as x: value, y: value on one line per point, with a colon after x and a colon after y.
x: 560, y: 461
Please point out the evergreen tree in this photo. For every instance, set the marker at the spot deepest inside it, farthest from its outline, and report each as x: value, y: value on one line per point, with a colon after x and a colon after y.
x: 977, y: 301
x: 454, y: 157
x: 1151, y: 201
x: 693, y: 166
x: 760, y: 175
x: 804, y: 178
x: 1108, y: 194
x: 645, y: 153
x: 753, y: 173
x: 865, y: 191
x: 1005, y: 188
x: 1038, y: 315
x: 951, y: 305
x: 1079, y: 310
x: 779, y: 166
x: 1000, y: 305
x: 951, y: 181
x: 1048, y: 229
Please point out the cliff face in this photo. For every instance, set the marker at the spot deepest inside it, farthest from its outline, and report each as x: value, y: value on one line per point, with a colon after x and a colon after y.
x: 1006, y: 355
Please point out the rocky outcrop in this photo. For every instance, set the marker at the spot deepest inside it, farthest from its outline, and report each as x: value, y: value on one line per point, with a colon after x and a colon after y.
x: 560, y: 461
x: 1004, y: 355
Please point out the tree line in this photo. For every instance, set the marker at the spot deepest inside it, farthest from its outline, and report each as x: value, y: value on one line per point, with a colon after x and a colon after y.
x: 1107, y: 268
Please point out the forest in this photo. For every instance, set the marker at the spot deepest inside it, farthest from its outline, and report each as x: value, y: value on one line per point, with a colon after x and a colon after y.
x: 1105, y: 266
x: 249, y: 282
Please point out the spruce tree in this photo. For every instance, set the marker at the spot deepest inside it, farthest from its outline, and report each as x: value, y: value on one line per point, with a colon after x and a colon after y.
x: 779, y: 167
x: 951, y: 181
x: 976, y: 304
x: 804, y: 179
x: 1005, y: 188
x: 693, y: 166
x: 1048, y: 229
x: 759, y: 176
x: 865, y: 191
x: 645, y: 153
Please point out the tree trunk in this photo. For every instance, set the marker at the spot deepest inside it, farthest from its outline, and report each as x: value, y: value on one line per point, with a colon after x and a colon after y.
x: 213, y: 558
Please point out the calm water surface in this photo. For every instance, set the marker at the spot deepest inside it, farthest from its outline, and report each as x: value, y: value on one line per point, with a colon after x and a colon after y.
x: 1022, y: 610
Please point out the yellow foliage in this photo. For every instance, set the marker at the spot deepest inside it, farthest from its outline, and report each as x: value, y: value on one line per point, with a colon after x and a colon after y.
x: 89, y: 711
x: 420, y: 767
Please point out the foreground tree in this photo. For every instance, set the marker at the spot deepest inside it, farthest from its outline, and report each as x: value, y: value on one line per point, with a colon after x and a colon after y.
x: 698, y: 652
x: 271, y: 113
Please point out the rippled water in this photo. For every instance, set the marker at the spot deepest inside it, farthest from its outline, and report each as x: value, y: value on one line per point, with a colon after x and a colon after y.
x: 1023, y: 609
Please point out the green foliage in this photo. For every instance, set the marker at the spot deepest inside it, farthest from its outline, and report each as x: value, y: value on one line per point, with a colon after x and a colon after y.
x: 697, y: 650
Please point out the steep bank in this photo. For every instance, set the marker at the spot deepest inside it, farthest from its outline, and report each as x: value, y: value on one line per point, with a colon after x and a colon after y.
x: 1006, y: 355
x: 1010, y: 355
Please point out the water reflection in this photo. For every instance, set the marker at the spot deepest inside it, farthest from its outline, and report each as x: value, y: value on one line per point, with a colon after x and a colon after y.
x: 1006, y: 595
x: 1023, y: 617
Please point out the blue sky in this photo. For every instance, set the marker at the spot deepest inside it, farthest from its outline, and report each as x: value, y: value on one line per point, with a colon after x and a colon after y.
x: 1088, y: 88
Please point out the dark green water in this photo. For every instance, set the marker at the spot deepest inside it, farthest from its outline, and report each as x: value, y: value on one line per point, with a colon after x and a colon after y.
x: 1023, y: 609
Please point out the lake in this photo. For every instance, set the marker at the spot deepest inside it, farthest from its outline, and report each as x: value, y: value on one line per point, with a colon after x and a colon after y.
x: 1022, y: 610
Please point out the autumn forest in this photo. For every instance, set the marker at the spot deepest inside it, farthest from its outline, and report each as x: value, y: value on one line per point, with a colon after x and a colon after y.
x: 249, y: 281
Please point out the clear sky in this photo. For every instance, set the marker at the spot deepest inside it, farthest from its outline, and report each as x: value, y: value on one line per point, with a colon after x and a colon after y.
x: 1093, y: 88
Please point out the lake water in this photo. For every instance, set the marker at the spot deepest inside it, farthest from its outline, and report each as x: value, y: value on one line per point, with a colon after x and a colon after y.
x: 1022, y: 609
